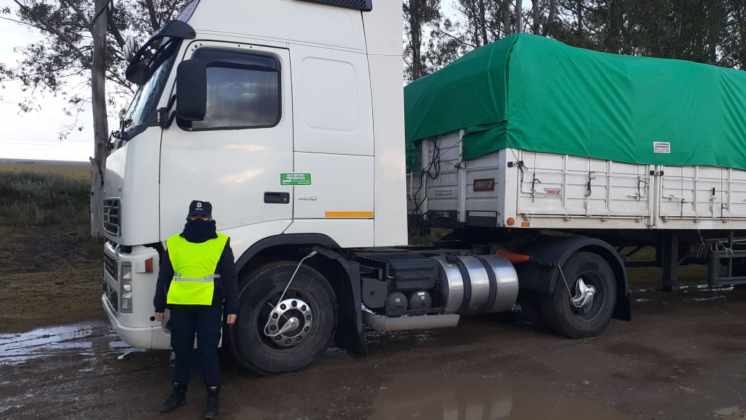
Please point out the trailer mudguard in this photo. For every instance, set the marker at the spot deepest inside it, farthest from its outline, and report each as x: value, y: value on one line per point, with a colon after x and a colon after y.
x: 540, y: 275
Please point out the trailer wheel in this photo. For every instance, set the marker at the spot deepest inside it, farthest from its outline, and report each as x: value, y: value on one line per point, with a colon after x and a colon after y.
x: 270, y: 338
x: 589, y: 309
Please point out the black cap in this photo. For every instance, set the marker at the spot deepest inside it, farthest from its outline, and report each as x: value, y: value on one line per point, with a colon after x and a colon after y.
x: 200, y: 209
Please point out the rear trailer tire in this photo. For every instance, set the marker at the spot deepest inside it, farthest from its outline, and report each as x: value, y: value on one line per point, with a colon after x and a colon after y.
x: 582, y: 271
x: 311, y: 303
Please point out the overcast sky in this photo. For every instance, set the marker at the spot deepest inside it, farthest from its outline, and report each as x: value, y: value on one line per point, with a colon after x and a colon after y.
x: 34, y: 135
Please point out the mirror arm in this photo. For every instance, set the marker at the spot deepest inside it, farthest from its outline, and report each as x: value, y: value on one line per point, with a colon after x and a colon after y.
x: 165, y: 114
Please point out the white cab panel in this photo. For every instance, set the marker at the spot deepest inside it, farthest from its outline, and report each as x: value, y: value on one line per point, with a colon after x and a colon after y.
x: 347, y: 233
x: 390, y: 167
x: 232, y: 168
x: 242, y: 238
x: 282, y: 20
x: 383, y: 30
x: 340, y: 184
x: 132, y: 177
x: 331, y: 93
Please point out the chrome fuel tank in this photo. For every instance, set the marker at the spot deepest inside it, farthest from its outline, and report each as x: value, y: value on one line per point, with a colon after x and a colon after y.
x: 477, y: 284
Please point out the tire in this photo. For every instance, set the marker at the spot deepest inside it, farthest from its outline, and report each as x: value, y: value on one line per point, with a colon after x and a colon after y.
x: 592, y: 320
x: 252, y: 348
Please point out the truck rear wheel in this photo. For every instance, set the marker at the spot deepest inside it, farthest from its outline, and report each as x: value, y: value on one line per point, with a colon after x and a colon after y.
x: 269, y: 338
x: 589, y: 309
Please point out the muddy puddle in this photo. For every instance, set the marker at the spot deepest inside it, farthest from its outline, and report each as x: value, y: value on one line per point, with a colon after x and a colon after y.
x: 76, y: 341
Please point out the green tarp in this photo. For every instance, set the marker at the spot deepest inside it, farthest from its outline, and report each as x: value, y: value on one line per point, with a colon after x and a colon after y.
x: 536, y: 94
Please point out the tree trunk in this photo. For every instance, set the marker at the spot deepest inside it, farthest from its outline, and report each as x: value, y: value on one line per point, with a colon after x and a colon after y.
x: 518, y: 16
x: 549, y: 23
x: 741, y: 22
x: 536, y: 14
x: 100, y: 122
x: 483, y: 23
x: 415, y: 36
x: 613, y: 40
x: 507, y: 18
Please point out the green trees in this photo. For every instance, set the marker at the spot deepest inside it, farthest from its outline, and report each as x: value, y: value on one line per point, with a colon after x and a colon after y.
x: 707, y: 31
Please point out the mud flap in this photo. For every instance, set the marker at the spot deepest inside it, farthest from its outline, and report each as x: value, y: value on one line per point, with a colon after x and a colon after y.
x: 350, y: 335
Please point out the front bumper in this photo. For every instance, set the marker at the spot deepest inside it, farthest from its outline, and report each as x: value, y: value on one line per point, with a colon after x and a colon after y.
x: 153, y: 338
x: 136, y: 327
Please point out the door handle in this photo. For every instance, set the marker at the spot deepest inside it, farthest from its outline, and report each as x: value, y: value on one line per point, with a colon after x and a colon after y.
x: 277, y: 198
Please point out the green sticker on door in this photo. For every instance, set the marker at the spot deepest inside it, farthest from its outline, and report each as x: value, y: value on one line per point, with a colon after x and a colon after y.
x: 296, y: 178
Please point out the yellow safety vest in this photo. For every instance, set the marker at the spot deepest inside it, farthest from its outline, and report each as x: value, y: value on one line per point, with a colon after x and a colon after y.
x: 194, y: 269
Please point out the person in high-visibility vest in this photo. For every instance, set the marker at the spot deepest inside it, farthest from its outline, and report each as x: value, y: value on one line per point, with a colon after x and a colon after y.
x: 197, y: 277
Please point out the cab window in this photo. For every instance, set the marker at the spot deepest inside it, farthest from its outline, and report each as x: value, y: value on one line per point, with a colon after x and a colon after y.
x: 243, y: 90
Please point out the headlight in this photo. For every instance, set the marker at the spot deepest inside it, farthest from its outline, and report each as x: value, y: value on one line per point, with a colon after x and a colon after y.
x: 125, y: 288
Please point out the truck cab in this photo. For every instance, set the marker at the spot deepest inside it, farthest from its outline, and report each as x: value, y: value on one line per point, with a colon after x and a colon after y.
x: 295, y: 147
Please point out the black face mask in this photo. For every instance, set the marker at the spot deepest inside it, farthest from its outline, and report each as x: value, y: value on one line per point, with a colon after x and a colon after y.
x: 199, y: 230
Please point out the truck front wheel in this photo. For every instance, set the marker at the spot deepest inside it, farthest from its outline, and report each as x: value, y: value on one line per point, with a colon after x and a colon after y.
x: 587, y: 309
x: 276, y: 337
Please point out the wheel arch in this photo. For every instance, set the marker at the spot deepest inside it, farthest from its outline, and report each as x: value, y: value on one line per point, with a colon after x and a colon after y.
x: 549, y: 251
x: 342, y: 274
x: 271, y: 244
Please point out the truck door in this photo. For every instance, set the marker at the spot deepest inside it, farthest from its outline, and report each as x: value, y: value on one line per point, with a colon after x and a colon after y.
x: 236, y: 156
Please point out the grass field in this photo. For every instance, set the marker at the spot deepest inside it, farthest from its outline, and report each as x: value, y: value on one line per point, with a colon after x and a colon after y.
x: 78, y: 171
x: 50, y: 271
x: 43, y: 193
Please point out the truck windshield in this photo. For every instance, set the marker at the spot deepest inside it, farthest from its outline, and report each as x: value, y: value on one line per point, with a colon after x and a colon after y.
x: 142, y: 110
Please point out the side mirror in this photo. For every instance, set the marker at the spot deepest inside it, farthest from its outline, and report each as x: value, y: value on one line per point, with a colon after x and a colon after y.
x: 191, y: 91
x: 137, y: 73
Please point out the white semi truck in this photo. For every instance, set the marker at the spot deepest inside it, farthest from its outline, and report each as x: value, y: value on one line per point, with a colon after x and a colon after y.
x: 288, y: 116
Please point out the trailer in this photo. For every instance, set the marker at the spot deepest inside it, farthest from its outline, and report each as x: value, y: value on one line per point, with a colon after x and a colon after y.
x: 634, y: 151
x: 289, y: 117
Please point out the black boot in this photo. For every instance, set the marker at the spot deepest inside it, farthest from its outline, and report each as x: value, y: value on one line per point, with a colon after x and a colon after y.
x: 175, y: 400
x: 211, y: 409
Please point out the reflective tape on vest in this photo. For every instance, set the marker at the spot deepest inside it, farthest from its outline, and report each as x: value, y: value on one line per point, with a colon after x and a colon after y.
x: 196, y: 279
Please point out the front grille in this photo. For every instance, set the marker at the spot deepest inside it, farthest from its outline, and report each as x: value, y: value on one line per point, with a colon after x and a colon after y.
x: 111, y: 267
x: 112, y: 297
x: 112, y: 216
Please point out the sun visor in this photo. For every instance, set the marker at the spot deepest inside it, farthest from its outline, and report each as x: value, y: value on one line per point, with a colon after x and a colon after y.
x: 362, y: 5
x: 137, y: 71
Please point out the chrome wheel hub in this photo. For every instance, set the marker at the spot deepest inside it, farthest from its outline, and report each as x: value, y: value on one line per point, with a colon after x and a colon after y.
x: 289, y: 322
x: 583, y: 295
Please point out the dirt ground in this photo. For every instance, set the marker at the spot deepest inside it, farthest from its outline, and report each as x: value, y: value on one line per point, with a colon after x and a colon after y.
x: 49, y: 275
x: 682, y: 357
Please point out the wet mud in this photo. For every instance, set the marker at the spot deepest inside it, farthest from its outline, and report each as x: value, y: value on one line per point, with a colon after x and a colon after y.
x: 682, y: 357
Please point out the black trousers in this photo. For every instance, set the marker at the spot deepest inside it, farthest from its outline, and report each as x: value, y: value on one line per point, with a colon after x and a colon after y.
x: 205, y: 323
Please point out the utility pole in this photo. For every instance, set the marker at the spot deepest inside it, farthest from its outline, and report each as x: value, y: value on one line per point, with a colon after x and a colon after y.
x: 100, y: 121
